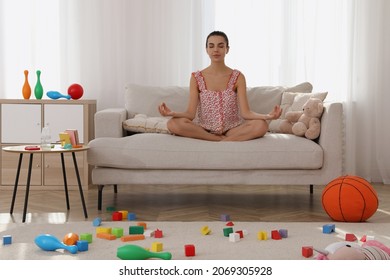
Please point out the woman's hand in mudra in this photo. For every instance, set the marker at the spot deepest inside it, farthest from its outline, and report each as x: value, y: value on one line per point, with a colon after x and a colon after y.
x: 275, y: 113
x: 165, y: 111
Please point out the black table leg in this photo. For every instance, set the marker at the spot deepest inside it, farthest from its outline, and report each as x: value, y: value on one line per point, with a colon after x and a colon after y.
x: 79, y: 181
x: 16, y: 183
x: 65, y: 181
x: 27, y: 187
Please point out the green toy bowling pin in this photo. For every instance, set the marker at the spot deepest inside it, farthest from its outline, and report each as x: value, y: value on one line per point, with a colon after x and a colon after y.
x: 26, y: 90
x: 135, y: 252
x: 38, y: 91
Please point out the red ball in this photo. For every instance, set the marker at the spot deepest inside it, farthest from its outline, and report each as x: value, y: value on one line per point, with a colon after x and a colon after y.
x: 349, y: 199
x: 75, y: 91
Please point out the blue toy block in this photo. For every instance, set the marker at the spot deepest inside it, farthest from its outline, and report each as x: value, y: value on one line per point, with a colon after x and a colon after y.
x: 7, y: 239
x: 328, y: 228
x: 82, y: 245
x: 97, y: 222
x: 283, y: 233
x: 225, y: 218
x: 131, y: 216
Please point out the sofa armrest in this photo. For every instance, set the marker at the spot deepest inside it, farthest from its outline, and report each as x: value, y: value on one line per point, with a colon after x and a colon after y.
x: 108, y: 122
x: 332, y: 137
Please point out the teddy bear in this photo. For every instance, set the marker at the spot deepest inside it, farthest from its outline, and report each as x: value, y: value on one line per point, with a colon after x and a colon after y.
x: 305, y: 123
x: 344, y: 250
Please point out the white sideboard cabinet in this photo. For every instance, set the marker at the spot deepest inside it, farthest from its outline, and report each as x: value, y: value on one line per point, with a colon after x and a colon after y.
x: 21, y: 123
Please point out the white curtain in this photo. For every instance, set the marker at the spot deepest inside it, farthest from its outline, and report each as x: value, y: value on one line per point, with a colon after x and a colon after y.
x: 340, y: 46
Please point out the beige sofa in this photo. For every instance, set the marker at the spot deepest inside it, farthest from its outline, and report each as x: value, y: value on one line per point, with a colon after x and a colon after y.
x: 133, y: 146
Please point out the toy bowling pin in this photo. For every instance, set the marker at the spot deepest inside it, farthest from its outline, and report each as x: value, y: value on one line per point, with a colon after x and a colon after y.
x: 38, y: 91
x: 57, y: 95
x: 26, y: 90
x: 135, y: 252
x: 49, y: 242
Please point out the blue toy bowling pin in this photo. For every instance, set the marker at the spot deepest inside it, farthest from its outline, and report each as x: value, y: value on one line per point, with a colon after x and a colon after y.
x: 49, y: 242
x: 57, y: 95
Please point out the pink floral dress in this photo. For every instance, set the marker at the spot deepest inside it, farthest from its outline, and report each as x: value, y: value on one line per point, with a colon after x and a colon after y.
x: 217, y: 111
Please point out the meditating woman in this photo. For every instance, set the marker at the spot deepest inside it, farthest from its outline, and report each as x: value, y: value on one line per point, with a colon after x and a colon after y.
x: 218, y: 108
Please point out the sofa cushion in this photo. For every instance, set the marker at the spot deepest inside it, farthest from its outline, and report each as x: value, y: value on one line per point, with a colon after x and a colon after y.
x: 164, y: 151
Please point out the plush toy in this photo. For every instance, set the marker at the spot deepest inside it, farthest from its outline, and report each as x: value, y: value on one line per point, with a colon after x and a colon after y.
x: 370, y: 250
x: 306, y: 122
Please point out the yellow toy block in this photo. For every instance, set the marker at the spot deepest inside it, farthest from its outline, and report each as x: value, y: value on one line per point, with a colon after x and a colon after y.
x: 157, y: 247
x: 205, y: 230
x: 262, y: 235
x: 124, y: 214
x: 103, y: 230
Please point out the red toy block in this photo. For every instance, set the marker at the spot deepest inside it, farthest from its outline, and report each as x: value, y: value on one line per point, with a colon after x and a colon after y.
x: 117, y: 216
x: 158, y: 233
x: 307, y: 251
x: 229, y: 224
x: 189, y: 250
x: 241, y: 233
x: 275, y: 235
x: 350, y: 237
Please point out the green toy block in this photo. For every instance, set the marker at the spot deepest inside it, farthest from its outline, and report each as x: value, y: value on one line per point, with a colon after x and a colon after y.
x: 136, y: 230
x: 86, y: 237
x: 227, y: 231
x: 118, y: 232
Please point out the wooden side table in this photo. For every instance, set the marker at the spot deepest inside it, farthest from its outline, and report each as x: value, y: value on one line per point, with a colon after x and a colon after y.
x: 21, y: 150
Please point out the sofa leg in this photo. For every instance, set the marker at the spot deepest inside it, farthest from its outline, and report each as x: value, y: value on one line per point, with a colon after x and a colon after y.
x: 115, y: 188
x: 100, y: 196
x: 311, y: 189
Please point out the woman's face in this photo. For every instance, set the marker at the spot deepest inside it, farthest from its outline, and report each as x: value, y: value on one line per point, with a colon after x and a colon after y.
x: 217, y: 48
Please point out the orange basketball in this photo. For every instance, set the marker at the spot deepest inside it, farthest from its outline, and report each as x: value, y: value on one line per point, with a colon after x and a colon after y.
x: 349, y: 199
x: 71, y: 238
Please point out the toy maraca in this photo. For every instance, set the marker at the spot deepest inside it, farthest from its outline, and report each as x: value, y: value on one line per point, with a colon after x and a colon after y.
x: 49, y: 242
x: 135, y: 252
x: 57, y: 95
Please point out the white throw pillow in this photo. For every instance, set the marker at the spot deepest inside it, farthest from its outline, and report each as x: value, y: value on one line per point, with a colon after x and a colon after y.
x: 293, y: 101
x: 143, y: 123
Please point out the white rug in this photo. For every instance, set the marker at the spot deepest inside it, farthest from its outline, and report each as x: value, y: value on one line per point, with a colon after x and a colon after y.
x: 214, y: 246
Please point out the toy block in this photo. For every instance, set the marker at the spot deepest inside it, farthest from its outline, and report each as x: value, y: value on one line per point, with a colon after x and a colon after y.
x: 82, y: 245
x: 225, y: 217
x: 7, y: 239
x: 142, y: 224
x: 350, y: 237
x: 124, y: 214
x: 117, y: 216
x: 156, y: 247
x: 283, y: 233
x: 86, y: 237
x: 110, y: 209
x: 189, y: 250
x: 103, y: 230
x: 275, y: 235
x: 205, y: 230
x: 328, y: 228
x: 262, y: 235
x: 118, y: 232
x: 227, y: 231
x: 97, y: 222
x: 245, y: 232
x: 107, y: 236
x: 149, y: 233
x: 131, y: 216
x: 136, y: 230
x: 132, y: 237
x: 234, y: 237
x: 229, y: 224
x: 370, y: 237
x: 158, y: 233
x: 240, y: 233
x: 307, y: 251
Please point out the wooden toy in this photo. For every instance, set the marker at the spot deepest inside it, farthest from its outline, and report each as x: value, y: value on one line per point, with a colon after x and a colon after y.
x: 156, y: 247
x: 158, y: 233
x: 225, y: 217
x: 262, y: 235
x: 240, y: 233
x: 132, y: 237
x: 205, y: 230
x: 350, y: 237
x: 110, y: 209
x: 307, y: 251
x: 70, y: 238
x: 227, y: 231
x: 275, y: 235
x: 7, y: 239
x: 104, y: 235
x: 328, y: 228
x: 103, y: 229
x: 189, y: 250
x: 135, y: 252
x: 117, y: 216
x: 136, y: 230
x: 86, y: 237
x: 26, y: 90
x: 131, y: 216
x: 283, y: 233
x: 149, y: 233
x: 142, y: 224
x: 97, y: 222
x: 229, y: 224
x: 118, y: 232
x: 48, y: 242
x: 234, y: 237
x: 82, y: 245
x: 124, y: 214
